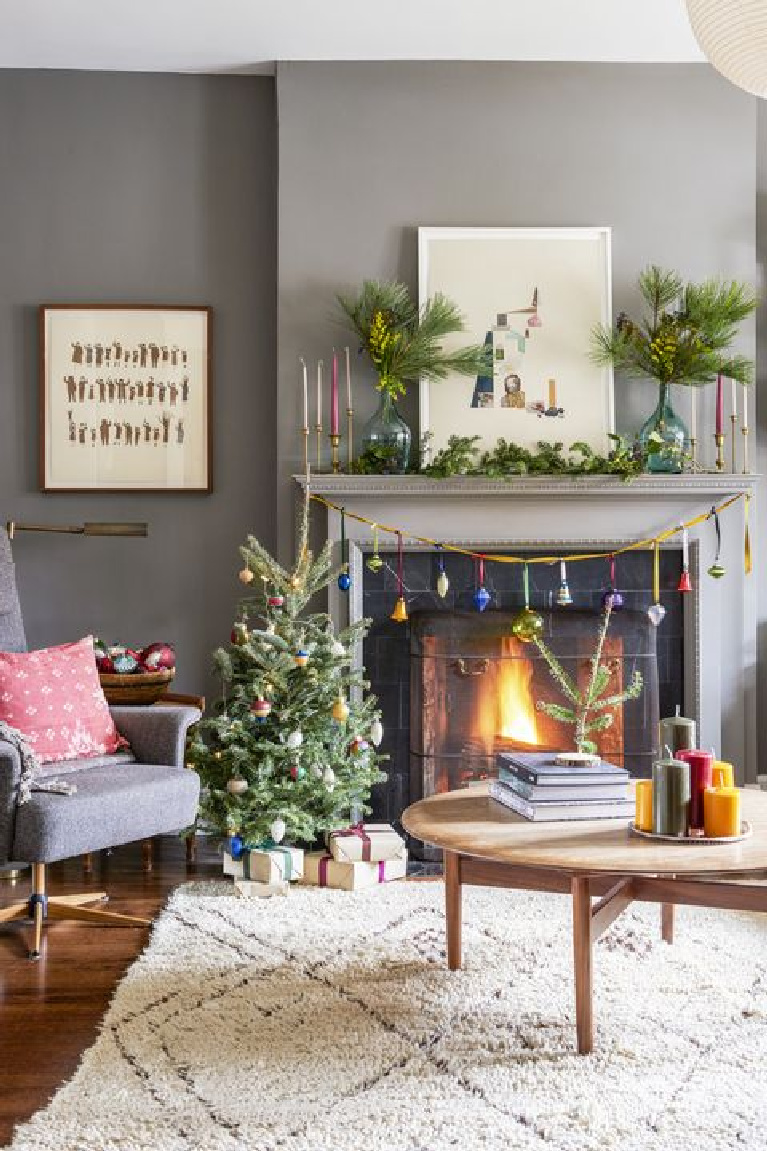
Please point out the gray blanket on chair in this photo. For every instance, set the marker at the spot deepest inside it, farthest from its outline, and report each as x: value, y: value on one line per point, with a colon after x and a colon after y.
x: 30, y: 767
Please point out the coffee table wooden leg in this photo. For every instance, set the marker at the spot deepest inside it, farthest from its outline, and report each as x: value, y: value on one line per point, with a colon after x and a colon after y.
x: 667, y: 922
x: 582, y: 956
x: 453, y: 909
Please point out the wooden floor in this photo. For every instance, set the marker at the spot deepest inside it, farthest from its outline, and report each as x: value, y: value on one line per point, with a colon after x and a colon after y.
x: 50, y: 1011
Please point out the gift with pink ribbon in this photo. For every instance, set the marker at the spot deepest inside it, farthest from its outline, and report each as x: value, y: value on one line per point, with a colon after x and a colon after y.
x: 321, y: 869
x: 366, y: 843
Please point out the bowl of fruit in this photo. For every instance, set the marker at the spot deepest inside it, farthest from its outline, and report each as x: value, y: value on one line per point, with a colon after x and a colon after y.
x: 130, y: 675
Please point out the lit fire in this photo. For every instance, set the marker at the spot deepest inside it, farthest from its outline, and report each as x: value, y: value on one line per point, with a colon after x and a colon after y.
x: 516, y: 706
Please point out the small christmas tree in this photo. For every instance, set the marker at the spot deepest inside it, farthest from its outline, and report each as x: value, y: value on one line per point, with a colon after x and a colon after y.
x: 292, y: 750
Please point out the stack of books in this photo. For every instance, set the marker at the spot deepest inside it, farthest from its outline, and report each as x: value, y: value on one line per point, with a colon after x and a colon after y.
x: 538, y: 787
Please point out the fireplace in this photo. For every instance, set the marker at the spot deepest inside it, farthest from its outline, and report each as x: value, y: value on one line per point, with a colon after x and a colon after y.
x: 475, y: 690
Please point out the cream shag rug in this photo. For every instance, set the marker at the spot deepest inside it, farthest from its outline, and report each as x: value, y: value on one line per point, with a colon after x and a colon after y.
x: 328, y: 1020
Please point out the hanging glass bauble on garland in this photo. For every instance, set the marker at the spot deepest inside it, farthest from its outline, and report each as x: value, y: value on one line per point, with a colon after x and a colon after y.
x: 564, y: 599
x: 374, y: 563
x: 612, y: 598
x: 443, y: 583
x: 716, y: 571
x: 656, y: 613
x: 481, y: 596
x: 527, y: 625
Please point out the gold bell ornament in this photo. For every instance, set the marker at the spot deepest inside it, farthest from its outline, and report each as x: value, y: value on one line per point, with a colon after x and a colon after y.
x: 399, y: 615
x: 340, y: 710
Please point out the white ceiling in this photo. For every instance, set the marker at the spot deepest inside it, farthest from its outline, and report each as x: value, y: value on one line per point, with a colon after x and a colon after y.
x: 250, y: 35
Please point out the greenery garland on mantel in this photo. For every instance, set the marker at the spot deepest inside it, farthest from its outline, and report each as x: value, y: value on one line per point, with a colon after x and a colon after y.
x: 464, y: 457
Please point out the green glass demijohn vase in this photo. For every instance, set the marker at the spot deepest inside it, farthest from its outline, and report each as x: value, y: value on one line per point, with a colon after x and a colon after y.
x: 668, y: 454
x: 388, y: 431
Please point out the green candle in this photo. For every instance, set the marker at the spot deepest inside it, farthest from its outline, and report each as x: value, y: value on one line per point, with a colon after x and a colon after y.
x: 677, y: 733
x: 670, y: 797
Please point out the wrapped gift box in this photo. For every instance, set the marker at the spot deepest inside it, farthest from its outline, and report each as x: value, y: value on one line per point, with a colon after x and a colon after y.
x: 368, y: 842
x: 266, y: 864
x: 249, y: 889
x: 322, y: 870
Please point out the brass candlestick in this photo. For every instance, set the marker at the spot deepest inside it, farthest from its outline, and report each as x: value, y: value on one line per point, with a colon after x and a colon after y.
x: 734, y: 420
x: 318, y: 430
x: 693, y: 460
x: 746, y: 468
x: 350, y: 433
x: 719, y: 441
x: 335, y: 440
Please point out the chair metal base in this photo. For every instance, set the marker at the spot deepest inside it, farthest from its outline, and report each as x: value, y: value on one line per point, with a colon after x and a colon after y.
x: 39, y: 907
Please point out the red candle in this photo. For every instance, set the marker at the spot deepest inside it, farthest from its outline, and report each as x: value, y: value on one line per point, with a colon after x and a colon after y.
x: 334, y: 397
x: 719, y: 405
x: 701, y: 776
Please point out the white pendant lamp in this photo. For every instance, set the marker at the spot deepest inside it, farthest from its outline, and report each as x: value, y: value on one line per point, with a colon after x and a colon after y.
x: 732, y: 34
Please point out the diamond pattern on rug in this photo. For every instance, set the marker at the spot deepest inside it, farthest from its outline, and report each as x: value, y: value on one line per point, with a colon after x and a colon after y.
x: 329, y: 1020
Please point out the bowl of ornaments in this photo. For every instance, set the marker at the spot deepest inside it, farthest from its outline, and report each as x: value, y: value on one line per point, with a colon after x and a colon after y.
x: 130, y: 675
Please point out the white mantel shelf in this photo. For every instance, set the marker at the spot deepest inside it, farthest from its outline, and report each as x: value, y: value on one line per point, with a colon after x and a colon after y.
x: 645, y: 487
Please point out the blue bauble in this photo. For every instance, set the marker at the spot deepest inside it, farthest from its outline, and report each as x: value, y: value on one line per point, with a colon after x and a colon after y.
x: 344, y: 581
x: 481, y: 598
x: 235, y: 846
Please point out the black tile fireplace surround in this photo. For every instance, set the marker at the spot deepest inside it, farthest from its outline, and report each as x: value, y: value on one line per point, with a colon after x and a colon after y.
x: 386, y: 650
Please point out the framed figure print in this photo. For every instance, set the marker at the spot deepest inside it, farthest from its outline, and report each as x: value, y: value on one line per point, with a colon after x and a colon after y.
x: 533, y: 295
x: 125, y: 398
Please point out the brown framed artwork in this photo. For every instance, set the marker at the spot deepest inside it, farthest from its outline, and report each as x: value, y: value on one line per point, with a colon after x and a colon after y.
x: 125, y: 398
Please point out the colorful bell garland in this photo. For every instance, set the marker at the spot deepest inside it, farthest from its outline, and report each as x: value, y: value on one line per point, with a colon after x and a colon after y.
x: 564, y: 599
x: 443, y: 583
x: 344, y: 579
x: 717, y: 570
x: 656, y: 611
x: 527, y: 625
x: 481, y: 595
x: 374, y: 563
x: 685, y: 583
x: 612, y: 597
x: 399, y: 615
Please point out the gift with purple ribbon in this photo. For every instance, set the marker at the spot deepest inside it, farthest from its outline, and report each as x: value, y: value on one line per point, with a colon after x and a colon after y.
x: 366, y: 843
x: 322, y: 870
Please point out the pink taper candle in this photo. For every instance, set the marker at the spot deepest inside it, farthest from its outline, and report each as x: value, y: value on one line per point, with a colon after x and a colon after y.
x: 719, y: 406
x: 334, y: 397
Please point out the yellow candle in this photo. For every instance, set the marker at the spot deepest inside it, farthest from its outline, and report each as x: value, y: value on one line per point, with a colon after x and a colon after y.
x: 721, y: 811
x: 643, y: 816
x: 723, y: 774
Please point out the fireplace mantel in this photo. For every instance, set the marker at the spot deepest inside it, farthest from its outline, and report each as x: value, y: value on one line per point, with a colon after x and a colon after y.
x: 565, y: 512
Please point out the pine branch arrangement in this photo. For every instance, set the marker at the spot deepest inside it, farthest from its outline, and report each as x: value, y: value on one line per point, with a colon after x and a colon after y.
x: 298, y: 764
x: 686, y: 334
x: 591, y: 711
x: 406, y: 343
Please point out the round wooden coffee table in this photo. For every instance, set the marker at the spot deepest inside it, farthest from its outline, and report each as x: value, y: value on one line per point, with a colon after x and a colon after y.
x: 487, y: 845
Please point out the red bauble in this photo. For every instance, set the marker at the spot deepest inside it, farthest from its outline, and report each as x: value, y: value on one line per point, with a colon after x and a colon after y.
x: 105, y: 665
x: 158, y: 657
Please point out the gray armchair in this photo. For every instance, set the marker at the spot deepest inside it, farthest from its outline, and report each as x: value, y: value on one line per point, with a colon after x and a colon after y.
x: 119, y: 798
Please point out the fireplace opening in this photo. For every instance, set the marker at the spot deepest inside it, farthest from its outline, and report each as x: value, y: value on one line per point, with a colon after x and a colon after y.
x: 475, y: 690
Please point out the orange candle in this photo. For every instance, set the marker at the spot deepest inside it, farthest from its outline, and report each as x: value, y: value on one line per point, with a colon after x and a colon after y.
x: 722, y: 774
x: 643, y: 798
x: 721, y: 811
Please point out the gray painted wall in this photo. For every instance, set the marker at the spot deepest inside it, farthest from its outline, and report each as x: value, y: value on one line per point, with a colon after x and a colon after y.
x: 665, y: 155
x: 156, y: 189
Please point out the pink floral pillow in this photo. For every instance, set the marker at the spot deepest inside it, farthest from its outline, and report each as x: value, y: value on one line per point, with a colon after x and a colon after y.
x: 54, y: 698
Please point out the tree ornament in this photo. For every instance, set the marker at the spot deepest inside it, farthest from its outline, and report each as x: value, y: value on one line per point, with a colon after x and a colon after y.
x: 481, y: 596
x: 344, y: 580
x: 277, y: 830
x: 157, y: 656
x: 236, y: 846
x: 276, y: 602
x: 316, y: 771
x: 328, y: 777
x: 337, y: 649
x: 374, y: 563
x: 399, y: 615
x: 297, y: 772
x: 612, y: 597
x: 260, y: 708
x: 340, y: 710
x: 527, y: 625
x: 358, y: 745
x: 239, y: 635
x: 294, y: 740
x: 376, y: 732
x: 716, y: 571
x: 685, y: 583
x: 443, y: 583
x: 246, y: 576
x: 301, y: 658
x: 236, y: 786
x: 564, y: 599
x: 295, y: 582
x: 217, y: 754
x: 656, y: 611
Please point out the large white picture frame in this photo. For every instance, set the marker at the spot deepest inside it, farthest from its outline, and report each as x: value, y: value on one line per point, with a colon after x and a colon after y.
x: 534, y: 294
